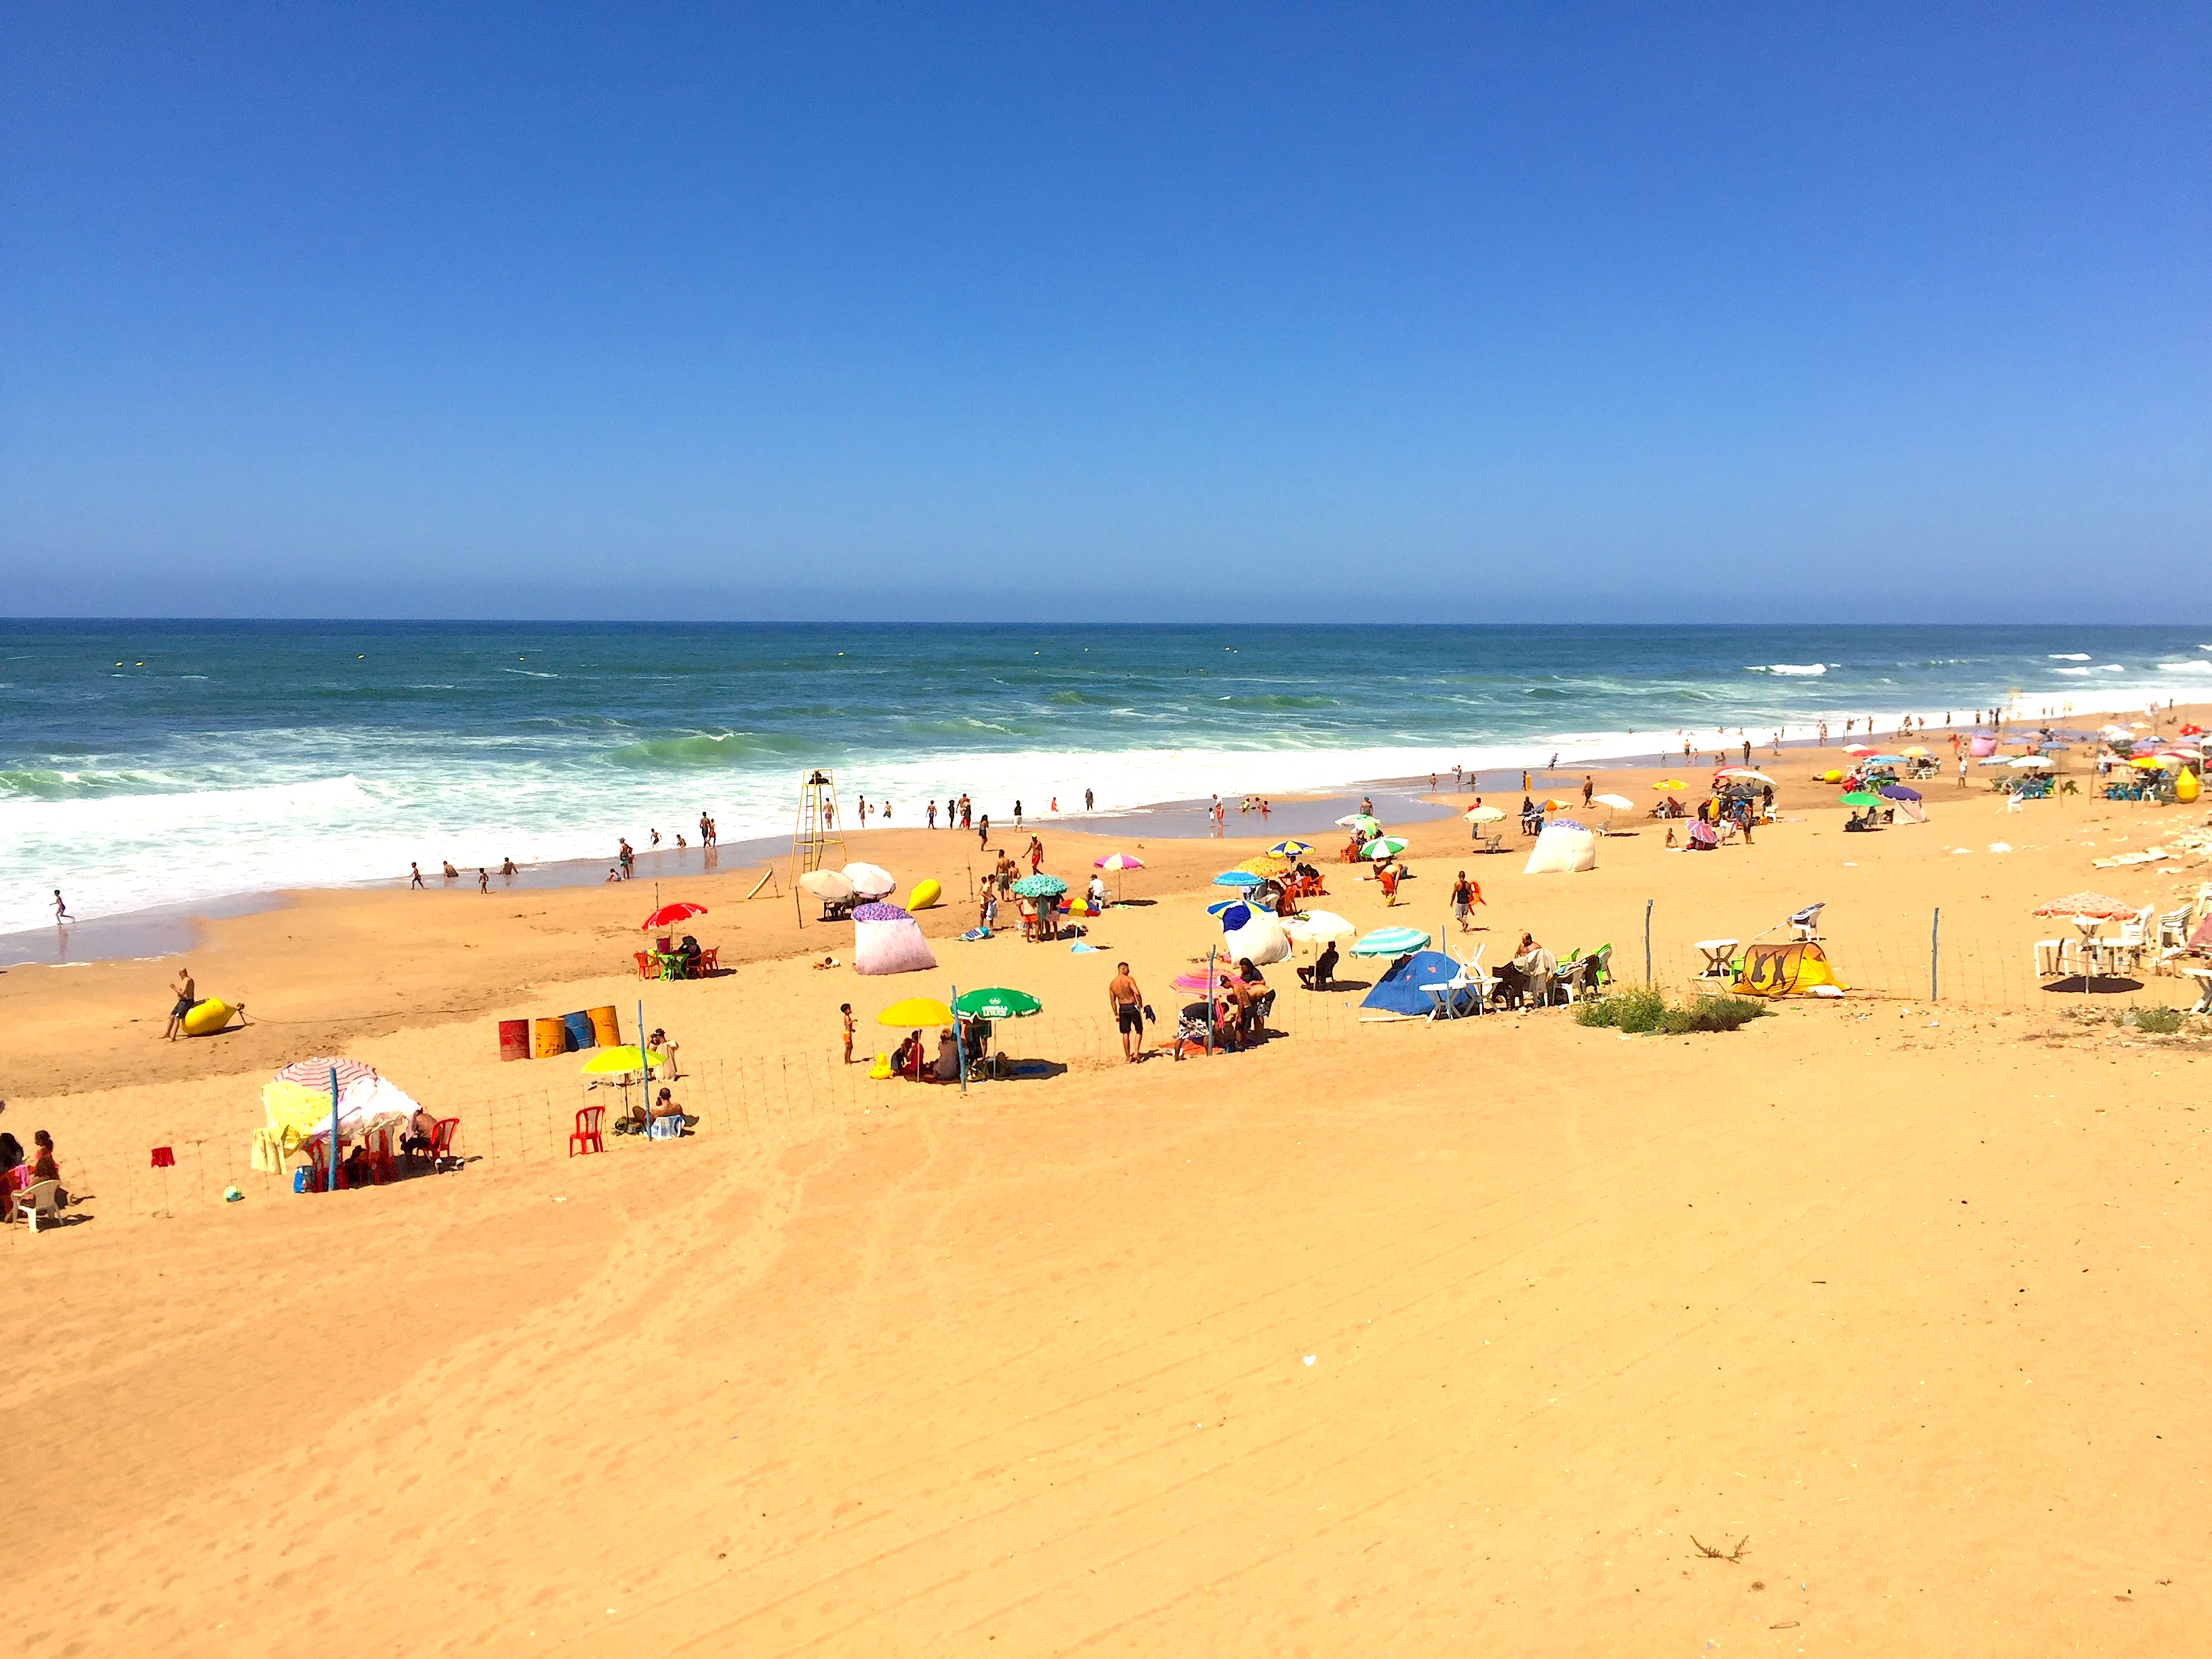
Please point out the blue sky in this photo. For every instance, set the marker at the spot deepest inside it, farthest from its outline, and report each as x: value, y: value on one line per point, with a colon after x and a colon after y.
x: 1774, y: 313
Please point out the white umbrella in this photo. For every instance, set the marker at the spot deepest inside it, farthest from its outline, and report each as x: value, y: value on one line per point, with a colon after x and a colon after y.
x: 1262, y: 938
x: 1744, y: 773
x: 827, y: 885
x: 870, y: 880
x: 1359, y: 821
x: 2031, y: 763
x: 1317, y: 925
x: 1618, y: 803
x: 1487, y: 814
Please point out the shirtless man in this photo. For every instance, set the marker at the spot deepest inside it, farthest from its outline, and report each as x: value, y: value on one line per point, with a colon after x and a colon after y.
x: 1127, y: 1003
x: 187, y: 994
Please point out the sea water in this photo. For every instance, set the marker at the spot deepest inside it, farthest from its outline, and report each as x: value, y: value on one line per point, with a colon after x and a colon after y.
x: 147, y: 764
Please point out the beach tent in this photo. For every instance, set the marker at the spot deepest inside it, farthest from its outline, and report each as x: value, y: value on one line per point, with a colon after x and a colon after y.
x: 1262, y: 938
x: 1564, y: 848
x: 1398, y: 993
x: 886, y: 939
x: 1781, y: 970
x: 300, y: 1112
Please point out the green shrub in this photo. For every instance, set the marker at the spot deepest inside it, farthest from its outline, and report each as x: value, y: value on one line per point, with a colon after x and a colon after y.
x: 2163, y: 1022
x: 1646, y: 1010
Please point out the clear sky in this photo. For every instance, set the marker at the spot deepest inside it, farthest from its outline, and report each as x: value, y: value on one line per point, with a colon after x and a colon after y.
x: 1777, y: 312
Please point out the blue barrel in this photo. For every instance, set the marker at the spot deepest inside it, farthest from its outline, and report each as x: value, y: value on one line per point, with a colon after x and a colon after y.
x: 580, y: 1035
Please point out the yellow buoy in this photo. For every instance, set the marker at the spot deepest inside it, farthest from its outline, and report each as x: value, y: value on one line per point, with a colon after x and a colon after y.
x: 925, y: 893
x: 2184, y: 786
x: 212, y: 1015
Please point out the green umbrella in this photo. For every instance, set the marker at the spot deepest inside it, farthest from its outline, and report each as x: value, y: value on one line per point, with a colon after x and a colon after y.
x: 1383, y: 846
x: 1859, y: 798
x: 1040, y: 886
x: 996, y: 1002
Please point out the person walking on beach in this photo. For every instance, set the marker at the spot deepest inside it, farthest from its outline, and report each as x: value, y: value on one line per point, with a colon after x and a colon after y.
x: 1017, y: 812
x: 929, y: 812
x: 1588, y: 785
x: 187, y: 994
x: 61, y: 909
x: 1037, y: 855
x: 1127, y: 1003
x: 415, y: 871
x: 628, y: 858
x: 845, y: 1013
x: 1465, y: 896
x: 483, y: 879
x: 983, y: 832
x: 1087, y: 800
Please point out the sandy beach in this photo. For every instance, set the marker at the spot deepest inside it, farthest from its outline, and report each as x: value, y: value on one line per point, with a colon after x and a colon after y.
x: 1878, y: 1325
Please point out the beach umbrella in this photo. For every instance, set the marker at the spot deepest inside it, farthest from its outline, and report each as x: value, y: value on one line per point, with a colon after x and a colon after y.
x: 1266, y: 865
x: 1289, y: 849
x: 996, y: 1002
x: 1618, y: 803
x: 1670, y: 783
x: 1383, y: 846
x: 2103, y: 906
x: 1885, y: 760
x: 914, y: 1011
x: 870, y: 880
x: 1858, y: 749
x: 1221, y: 905
x: 1118, y: 861
x: 1917, y: 752
x: 613, y: 1062
x: 1899, y: 791
x: 1858, y: 798
x: 1040, y: 886
x: 1262, y: 938
x: 1236, y: 878
x: 1483, y: 815
x: 1741, y: 774
x: 1234, y: 915
x: 2149, y: 763
x: 669, y: 915
x: 1391, y: 942
x: 827, y: 885
x: 316, y: 1073
x: 2029, y: 763
x: 1199, y: 982
x: 1359, y: 821
x: 1317, y: 925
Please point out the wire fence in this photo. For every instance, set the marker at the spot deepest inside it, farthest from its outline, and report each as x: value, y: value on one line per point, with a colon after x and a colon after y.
x: 760, y: 1105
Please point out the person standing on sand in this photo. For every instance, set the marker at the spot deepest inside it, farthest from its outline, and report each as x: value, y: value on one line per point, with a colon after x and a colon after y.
x: 415, y: 871
x: 983, y: 832
x: 187, y: 994
x: 1017, y: 812
x: 1087, y: 800
x: 1465, y: 896
x: 1588, y: 787
x: 845, y: 1013
x: 1127, y: 1003
x: 930, y: 812
x: 483, y: 879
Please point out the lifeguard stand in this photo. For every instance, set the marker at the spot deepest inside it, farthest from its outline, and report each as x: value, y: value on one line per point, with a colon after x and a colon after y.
x: 821, y: 825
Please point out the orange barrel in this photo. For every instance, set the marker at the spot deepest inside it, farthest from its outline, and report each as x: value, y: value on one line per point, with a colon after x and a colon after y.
x: 580, y: 1031
x: 514, y: 1039
x: 606, y: 1028
x: 549, y: 1036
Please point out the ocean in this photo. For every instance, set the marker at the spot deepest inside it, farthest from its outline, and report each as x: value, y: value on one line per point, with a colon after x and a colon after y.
x: 145, y: 765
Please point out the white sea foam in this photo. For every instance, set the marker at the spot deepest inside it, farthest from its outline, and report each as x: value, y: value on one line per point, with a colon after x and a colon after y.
x: 1789, y: 668
x: 2186, y: 667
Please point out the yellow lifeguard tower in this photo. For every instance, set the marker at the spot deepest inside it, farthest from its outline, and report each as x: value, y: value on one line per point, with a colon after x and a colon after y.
x: 818, y: 829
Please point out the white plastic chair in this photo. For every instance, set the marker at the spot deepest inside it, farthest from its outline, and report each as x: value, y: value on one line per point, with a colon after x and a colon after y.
x: 38, y: 1203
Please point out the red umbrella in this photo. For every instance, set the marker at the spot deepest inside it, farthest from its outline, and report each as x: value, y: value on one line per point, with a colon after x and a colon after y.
x: 2102, y: 906
x: 669, y: 915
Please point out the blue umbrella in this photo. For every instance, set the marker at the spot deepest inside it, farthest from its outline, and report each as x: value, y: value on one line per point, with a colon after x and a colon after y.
x: 1898, y: 792
x: 1236, y: 878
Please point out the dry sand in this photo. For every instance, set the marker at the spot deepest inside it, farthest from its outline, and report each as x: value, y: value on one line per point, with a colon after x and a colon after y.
x: 1392, y: 1338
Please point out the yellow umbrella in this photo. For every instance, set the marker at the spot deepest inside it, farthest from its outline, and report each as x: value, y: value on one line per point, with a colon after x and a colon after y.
x: 611, y: 1062
x: 1670, y: 783
x: 915, y: 1011
x: 1267, y: 864
x: 1917, y: 752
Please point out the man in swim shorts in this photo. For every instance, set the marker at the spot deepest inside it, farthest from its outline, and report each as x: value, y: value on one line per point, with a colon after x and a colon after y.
x: 1127, y: 1003
x: 187, y: 994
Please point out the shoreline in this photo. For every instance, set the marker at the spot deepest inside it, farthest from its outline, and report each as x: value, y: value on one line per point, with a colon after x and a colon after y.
x: 174, y: 929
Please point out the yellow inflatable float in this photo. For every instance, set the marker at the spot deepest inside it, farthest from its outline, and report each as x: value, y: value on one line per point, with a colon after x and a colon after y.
x: 212, y: 1015
x: 2186, y: 786
x: 925, y: 894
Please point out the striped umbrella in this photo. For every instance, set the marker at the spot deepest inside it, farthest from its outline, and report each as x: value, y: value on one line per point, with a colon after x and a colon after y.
x: 1391, y: 942
x: 1289, y: 849
x: 316, y: 1073
x: 1383, y: 846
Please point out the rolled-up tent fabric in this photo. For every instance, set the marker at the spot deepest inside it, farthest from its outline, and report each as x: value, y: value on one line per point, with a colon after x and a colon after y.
x: 1262, y: 938
x: 886, y: 939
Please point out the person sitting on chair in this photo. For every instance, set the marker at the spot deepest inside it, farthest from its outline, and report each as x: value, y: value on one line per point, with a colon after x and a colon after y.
x: 1319, y: 976
x: 947, y: 1068
x: 421, y: 1134
x: 664, y: 1105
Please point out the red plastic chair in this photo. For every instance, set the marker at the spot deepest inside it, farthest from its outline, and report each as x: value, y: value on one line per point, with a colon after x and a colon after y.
x: 441, y: 1144
x: 646, y: 966
x: 586, y: 1137
x: 381, y: 1164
